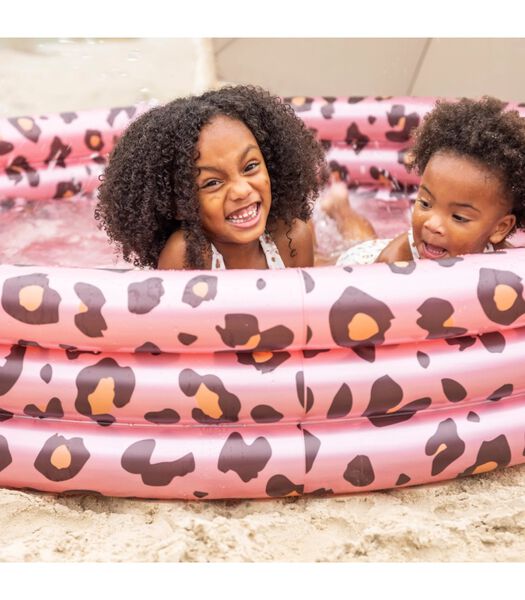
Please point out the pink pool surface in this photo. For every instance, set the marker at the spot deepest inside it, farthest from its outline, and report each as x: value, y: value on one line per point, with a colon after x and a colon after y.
x: 65, y: 233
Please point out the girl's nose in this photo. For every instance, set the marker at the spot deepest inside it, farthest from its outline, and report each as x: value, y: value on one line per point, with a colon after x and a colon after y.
x: 240, y: 189
x: 434, y: 224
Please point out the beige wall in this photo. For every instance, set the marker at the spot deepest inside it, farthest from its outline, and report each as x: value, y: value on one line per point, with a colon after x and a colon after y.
x: 50, y: 74
x: 393, y: 66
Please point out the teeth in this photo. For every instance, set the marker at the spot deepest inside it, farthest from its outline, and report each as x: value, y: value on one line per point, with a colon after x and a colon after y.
x: 245, y: 215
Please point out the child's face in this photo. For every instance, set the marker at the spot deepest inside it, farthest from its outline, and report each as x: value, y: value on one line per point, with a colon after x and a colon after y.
x: 460, y: 207
x: 234, y: 190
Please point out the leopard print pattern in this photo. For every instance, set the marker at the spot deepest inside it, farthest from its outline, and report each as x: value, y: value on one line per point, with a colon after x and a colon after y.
x: 131, y: 383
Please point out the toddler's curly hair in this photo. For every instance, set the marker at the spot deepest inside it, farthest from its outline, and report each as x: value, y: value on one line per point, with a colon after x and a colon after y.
x: 149, y: 188
x: 483, y: 131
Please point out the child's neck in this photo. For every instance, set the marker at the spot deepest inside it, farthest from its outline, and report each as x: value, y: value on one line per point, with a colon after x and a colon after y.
x: 242, y: 256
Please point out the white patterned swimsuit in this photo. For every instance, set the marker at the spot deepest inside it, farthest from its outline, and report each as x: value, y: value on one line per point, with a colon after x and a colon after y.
x: 273, y: 258
x: 368, y: 252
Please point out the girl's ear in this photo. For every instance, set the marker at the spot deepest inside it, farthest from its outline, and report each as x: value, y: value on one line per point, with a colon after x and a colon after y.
x: 502, y: 229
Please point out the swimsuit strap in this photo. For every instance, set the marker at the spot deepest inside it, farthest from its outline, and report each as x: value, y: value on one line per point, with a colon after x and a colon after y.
x: 217, y: 261
x: 273, y: 258
x: 415, y: 254
x: 413, y: 249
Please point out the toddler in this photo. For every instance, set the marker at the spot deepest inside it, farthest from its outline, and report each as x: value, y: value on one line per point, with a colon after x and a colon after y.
x: 471, y: 158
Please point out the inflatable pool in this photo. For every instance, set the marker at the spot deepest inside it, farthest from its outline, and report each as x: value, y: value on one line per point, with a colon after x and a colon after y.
x: 253, y: 384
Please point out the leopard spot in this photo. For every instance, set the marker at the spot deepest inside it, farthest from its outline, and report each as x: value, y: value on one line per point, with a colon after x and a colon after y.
x: 265, y: 362
x: 484, y: 468
x: 423, y: 359
x: 357, y: 316
x: 46, y: 372
x: 168, y: 416
x: 341, y: 404
x: 61, y: 457
x: 30, y: 297
x: 202, y: 288
x: 359, y: 471
x: 144, y: 296
x: 5, y: 455
x: 500, y: 294
x: 101, y: 388
x: 262, y: 413
x: 208, y: 402
x: 402, y: 479
x: 362, y: 327
x: 279, y: 486
x: 137, y: 460
x: 504, y: 297
x: 437, y: 319
x: 502, y: 392
x: 453, y: 390
x: 215, y: 404
x: 384, y: 407
x: 492, y: 453
x: 260, y: 357
x: 445, y: 445
x: 311, y: 447
x: 12, y: 369
x: 252, y: 343
x: 90, y: 322
x: 101, y: 399
x: 25, y: 123
x: 246, y: 460
x: 186, y: 338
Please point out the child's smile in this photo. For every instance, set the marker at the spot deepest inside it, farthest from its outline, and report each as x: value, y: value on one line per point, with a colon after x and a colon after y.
x: 460, y: 207
x: 234, y: 188
x: 245, y: 217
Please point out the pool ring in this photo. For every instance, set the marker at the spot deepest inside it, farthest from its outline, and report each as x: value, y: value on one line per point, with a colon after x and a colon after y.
x: 257, y: 384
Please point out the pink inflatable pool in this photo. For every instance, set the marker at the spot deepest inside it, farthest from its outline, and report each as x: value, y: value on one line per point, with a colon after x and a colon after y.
x: 253, y: 383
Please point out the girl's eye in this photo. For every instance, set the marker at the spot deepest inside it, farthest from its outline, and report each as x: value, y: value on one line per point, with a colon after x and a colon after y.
x: 210, y: 183
x: 251, y: 165
x: 460, y: 219
x: 423, y: 203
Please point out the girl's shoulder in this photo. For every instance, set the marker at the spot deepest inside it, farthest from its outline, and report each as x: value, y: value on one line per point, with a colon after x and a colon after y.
x: 173, y: 254
x: 397, y: 250
x: 296, y: 238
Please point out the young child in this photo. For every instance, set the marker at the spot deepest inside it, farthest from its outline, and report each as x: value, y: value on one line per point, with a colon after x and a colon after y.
x: 222, y: 180
x: 471, y: 156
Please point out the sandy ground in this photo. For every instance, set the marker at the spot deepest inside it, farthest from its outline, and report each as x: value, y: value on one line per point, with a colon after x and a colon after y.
x: 479, y: 518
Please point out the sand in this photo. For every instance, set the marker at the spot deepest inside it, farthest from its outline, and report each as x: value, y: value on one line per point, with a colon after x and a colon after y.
x: 480, y: 518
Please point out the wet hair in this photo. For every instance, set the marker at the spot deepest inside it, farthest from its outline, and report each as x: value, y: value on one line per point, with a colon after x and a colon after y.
x: 149, y: 188
x: 481, y: 130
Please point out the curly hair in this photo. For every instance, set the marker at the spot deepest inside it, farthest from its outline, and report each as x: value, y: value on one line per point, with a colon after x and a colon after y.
x: 483, y: 131
x: 149, y: 187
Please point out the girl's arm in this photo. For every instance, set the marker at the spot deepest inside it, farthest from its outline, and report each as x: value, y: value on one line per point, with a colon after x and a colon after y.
x: 302, y: 243
x: 397, y: 250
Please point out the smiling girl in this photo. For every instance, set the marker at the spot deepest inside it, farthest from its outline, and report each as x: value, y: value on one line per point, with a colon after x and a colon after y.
x: 471, y: 158
x: 222, y: 180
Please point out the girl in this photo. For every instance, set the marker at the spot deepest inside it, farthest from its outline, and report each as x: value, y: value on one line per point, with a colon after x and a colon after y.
x: 226, y: 179
x: 471, y: 155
